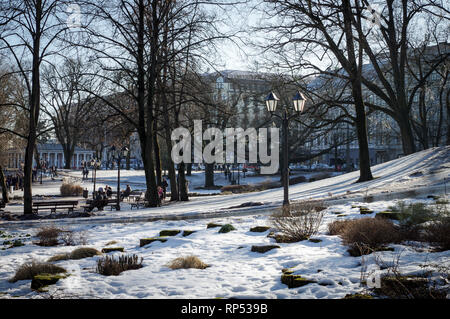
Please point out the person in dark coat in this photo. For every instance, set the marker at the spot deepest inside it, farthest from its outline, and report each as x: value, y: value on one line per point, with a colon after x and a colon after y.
x: 126, y: 192
x: 164, y: 186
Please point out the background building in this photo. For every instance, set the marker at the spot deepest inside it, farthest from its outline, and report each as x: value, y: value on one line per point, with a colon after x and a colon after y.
x: 51, y: 153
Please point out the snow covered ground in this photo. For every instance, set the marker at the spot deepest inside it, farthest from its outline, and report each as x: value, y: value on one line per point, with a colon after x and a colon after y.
x: 420, y: 174
x: 234, y: 270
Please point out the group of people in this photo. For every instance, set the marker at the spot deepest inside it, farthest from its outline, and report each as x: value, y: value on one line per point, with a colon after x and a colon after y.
x: 162, y: 190
x: 15, y: 181
x: 52, y: 171
x: 85, y: 172
x: 103, y: 194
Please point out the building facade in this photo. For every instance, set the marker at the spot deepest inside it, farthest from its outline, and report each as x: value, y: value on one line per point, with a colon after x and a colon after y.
x: 51, y: 154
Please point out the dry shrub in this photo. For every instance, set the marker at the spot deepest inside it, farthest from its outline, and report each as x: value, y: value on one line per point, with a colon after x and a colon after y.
x: 71, y: 238
x: 84, y: 252
x: 52, y: 236
x: 79, y: 253
x: 70, y: 189
x: 298, y: 221
x: 48, y: 236
x: 110, y: 266
x: 412, y: 215
x: 338, y: 227
x: 30, y: 269
x: 59, y: 257
x: 235, y: 189
x: 370, y: 233
x: 238, y: 189
x: 187, y: 262
x: 425, y: 222
x: 438, y: 233
x: 396, y: 285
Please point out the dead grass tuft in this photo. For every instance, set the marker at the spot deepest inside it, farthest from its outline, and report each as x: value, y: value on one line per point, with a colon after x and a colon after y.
x: 30, y: 269
x: 187, y: 262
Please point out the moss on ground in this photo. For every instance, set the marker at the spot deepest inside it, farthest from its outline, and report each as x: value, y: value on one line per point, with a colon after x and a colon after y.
x: 42, y: 280
x: 263, y: 249
x: 213, y: 225
x: 167, y: 232
x: 365, y: 211
x: 295, y: 281
x: 259, y: 229
x: 226, y: 228
x: 146, y: 241
x: 111, y: 249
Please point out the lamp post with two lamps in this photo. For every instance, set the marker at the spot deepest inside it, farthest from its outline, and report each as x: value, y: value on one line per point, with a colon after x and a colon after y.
x: 299, y: 104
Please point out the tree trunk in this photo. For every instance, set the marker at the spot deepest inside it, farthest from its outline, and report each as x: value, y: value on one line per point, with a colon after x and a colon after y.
x: 128, y: 159
x: 167, y: 138
x: 68, y: 154
x: 406, y: 134
x: 5, y: 197
x: 189, y: 169
x: 157, y: 156
x: 27, y: 174
x: 355, y: 78
x: 447, y: 104
x: 209, y: 175
x: 184, y: 195
x: 35, y: 104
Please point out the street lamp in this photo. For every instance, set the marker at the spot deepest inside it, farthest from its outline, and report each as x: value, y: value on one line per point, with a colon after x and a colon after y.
x: 299, y: 104
x: 118, y: 154
x: 95, y: 163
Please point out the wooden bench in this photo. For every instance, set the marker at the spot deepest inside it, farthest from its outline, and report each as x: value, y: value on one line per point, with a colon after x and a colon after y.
x: 112, y: 203
x: 139, y: 202
x: 54, y: 205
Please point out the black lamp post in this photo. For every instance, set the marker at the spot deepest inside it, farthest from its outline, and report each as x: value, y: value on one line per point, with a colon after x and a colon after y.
x: 118, y: 154
x: 299, y: 104
x: 95, y: 163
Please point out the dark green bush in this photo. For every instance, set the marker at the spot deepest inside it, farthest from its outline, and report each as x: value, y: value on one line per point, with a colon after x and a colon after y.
x: 226, y: 228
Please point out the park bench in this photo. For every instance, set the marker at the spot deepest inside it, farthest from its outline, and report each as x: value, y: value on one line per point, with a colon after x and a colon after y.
x: 112, y: 203
x: 54, y: 205
x: 138, y: 203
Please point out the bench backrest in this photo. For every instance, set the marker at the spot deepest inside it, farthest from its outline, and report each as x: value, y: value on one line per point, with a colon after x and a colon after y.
x: 56, y: 203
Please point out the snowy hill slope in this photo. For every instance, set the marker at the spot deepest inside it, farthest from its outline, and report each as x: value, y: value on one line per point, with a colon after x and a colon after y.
x: 423, y: 172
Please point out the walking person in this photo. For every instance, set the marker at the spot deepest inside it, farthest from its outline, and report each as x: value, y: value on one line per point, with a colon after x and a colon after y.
x: 160, y: 195
x: 164, y: 186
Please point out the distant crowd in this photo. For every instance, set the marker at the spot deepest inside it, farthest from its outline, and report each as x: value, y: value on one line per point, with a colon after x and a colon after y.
x: 15, y: 181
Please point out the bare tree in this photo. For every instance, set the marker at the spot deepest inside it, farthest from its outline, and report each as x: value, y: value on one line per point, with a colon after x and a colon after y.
x: 305, y: 36
x: 28, y: 33
x: 388, y: 48
x: 66, y: 104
